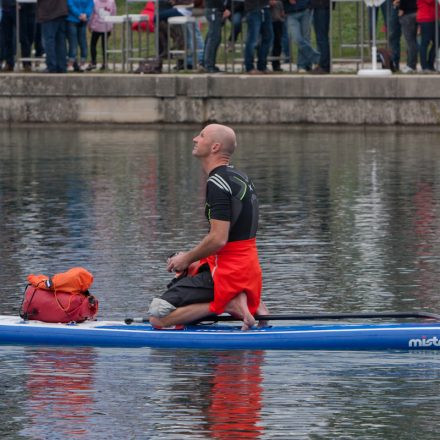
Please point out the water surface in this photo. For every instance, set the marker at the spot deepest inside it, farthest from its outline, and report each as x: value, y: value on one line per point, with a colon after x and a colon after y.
x: 349, y: 222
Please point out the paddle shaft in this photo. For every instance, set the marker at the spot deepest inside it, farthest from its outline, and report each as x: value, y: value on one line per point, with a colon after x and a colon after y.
x: 313, y: 317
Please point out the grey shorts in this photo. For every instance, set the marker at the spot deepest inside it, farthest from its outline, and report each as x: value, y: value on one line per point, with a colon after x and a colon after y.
x: 183, y: 292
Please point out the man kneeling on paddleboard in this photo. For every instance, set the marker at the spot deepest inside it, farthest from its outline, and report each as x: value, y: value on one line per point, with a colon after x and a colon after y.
x: 222, y: 273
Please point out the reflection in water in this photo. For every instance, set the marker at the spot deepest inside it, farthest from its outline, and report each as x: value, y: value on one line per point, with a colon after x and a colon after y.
x: 222, y: 391
x: 190, y: 394
x: 59, y: 389
x: 235, y: 397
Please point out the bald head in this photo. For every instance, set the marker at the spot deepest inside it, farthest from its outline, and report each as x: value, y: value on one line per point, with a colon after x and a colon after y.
x: 224, y: 136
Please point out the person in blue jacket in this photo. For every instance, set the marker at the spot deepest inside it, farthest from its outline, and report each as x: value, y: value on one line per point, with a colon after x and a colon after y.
x: 79, y: 14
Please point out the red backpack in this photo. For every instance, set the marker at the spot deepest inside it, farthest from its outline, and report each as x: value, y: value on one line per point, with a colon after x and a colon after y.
x: 63, y: 298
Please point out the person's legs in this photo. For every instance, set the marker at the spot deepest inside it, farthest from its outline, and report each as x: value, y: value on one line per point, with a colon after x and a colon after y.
x: 103, y: 37
x: 39, y: 49
x: 426, y: 39
x: 285, y: 43
x: 266, y: 31
x: 238, y: 308
x: 253, y: 19
x: 60, y: 45
x: 8, y: 36
x: 321, y: 23
x: 72, y: 37
x: 2, y: 46
x: 431, y: 54
x: 394, y: 34
x: 82, y: 42
x: 237, y: 18
x: 213, y: 37
x: 299, y: 28
x: 276, y: 47
x: 409, y: 29
x: 200, y: 45
x: 27, y: 31
x: 182, y: 315
x: 48, y: 33
x: 93, y: 42
x: 308, y: 55
x: 188, y: 299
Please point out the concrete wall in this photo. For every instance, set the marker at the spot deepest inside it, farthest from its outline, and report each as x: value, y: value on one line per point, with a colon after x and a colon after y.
x: 265, y: 99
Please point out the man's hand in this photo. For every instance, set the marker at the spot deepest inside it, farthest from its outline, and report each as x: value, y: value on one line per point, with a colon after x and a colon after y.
x: 178, y: 262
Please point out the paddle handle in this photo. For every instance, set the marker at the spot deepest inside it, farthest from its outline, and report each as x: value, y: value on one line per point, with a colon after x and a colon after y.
x: 315, y: 317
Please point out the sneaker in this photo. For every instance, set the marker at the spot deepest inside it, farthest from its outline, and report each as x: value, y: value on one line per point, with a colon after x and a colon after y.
x: 8, y: 68
x: 302, y: 70
x: 78, y: 67
x: 91, y: 67
x: 103, y: 67
x: 70, y: 67
x: 428, y: 71
x: 318, y: 70
x: 407, y: 69
x: 214, y: 69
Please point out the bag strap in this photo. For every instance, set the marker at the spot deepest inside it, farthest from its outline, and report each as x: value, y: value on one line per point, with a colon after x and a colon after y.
x: 26, y: 315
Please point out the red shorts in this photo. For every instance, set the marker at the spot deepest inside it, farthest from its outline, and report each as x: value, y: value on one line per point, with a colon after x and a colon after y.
x: 235, y: 269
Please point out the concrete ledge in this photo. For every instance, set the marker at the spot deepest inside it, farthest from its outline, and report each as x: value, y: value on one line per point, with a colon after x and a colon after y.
x: 263, y: 99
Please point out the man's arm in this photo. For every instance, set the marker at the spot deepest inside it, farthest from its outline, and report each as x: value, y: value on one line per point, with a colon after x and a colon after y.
x: 211, y: 243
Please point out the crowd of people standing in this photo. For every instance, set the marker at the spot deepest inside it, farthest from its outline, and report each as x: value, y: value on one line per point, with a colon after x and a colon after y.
x: 55, y: 28
x: 58, y: 29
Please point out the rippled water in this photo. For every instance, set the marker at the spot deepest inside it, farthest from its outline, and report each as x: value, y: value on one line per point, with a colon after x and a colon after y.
x: 349, y: 222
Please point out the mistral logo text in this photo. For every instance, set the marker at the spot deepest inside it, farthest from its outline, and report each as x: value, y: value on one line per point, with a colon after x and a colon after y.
x: 424, y: 342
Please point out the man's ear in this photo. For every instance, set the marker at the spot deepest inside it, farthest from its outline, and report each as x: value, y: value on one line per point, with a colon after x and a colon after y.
x: 215, y: 147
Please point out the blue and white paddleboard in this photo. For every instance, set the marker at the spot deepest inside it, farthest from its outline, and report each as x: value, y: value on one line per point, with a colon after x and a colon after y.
x: 401, y: 336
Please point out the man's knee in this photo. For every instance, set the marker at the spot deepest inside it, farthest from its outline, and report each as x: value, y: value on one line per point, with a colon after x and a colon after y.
x: 160, y: 308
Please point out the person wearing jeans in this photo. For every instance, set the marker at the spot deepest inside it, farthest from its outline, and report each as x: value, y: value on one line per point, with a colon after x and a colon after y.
x: 7, y: 35
x: 237, y: 14
x: 199, y: 44
x: 52, y: 16
x: 80, y: 12
x: 215, y: 13
x: 321, y: 24
x: 299, y: 19
x: 407, y: 11
x: 259, y: 23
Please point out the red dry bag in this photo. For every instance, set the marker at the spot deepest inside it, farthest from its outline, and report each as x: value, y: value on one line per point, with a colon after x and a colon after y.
x: 63, y: 298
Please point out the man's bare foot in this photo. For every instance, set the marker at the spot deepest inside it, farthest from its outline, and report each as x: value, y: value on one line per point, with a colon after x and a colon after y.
x: 262, y: 310
x: 238, y: 307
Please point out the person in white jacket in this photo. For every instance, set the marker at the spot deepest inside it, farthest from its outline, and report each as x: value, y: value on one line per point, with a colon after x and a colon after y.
x: 99, y: 28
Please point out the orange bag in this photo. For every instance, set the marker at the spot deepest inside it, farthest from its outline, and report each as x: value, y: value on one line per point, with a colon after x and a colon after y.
x: 75, y: 280
x: 63, y: 298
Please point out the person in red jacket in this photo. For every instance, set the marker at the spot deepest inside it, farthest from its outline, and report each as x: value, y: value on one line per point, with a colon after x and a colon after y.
x: 227, y: 276
x: 426, y: 20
